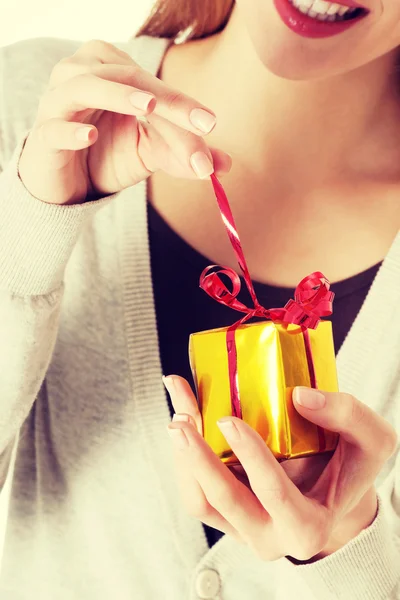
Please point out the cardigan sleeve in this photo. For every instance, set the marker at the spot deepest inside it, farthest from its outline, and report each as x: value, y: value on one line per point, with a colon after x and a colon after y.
x: 368, y: 567
x: 36, y: 242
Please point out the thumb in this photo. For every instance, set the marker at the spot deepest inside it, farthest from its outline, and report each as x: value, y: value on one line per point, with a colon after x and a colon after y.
x: 343, y: 413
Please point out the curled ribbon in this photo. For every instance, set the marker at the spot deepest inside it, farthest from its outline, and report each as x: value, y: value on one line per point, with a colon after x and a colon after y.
x: 312, y: 299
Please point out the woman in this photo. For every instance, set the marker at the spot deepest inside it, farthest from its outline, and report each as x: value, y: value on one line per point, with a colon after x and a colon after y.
x: 99, y: 278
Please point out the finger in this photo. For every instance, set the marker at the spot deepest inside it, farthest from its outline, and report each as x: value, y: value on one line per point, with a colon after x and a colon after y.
x: 222, y: 162
x: 87, y: 91
x: 276, y: 492
x: 178, y: 108
x: 193, y: 497
x: 354, y: 421
x: 183, y: 399
x: 56, y: 134
x: 156, y: 153
x: 91, y: 54
x: 223, y: 491
x: 103, y: 52
x: 57, y: 140
x: 187, y: 155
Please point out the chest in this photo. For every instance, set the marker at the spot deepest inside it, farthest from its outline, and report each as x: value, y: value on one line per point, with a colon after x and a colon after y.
x: 338, y: 228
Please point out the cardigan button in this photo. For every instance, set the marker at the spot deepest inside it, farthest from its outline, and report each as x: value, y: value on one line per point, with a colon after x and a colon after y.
x: 208, y: 584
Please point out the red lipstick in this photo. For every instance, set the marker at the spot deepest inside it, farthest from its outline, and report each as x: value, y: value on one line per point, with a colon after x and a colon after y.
x: 313, y: 28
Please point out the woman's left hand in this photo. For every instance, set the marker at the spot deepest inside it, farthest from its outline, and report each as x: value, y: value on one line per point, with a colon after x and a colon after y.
x: 272, y: 514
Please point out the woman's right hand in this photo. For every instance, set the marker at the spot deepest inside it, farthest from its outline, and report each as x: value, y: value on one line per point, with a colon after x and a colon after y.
x: 87, y: 141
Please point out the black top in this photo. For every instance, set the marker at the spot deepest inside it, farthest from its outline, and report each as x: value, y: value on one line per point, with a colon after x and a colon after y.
x: 183, y: 308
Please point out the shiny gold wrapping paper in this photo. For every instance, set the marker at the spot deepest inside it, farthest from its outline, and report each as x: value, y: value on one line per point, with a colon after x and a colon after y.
x: 271, y: 361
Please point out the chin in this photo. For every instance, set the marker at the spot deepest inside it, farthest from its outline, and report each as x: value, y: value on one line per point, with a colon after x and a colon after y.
x: 295, y: 61
x: 289, y: 55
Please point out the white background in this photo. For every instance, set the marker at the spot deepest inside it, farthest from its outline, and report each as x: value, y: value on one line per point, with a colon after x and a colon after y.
x: 112, y: 20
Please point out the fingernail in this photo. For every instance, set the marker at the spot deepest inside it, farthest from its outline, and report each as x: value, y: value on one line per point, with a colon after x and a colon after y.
x: 169, y: 384
x: 181, y: 417
x: 225, y: 167
x: 229, y: 429
x: 202, y: 120
x: 201, y: 164
x: 309, y: 398
x: 83, y: 133
x: 178, y: 438
x: 141, y: 100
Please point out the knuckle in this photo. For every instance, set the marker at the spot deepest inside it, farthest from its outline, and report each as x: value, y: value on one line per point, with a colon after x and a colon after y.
x: 355, y: 411
x: 66, y: 69
x: 135, y: 72
x: 388, y: 444
x: 62, y: 64
x: 103, y: 50
x: 60, y: 69
x: 84, y: 77
x: 275, y: 495
x: 174, y: 100
x: 77, y: 85
x: 96, y: 45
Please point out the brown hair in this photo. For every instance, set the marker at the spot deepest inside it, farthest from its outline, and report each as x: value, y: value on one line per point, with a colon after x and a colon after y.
x: 189, y: 18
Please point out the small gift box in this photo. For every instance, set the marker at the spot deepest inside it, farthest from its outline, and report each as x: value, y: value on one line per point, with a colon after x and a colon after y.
x: 249, y: 370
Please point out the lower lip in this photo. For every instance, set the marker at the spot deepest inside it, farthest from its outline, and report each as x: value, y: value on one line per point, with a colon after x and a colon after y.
x: 311, y: 28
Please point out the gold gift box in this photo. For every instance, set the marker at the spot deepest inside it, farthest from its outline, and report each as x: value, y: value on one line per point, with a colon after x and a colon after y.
x: 271, y: 361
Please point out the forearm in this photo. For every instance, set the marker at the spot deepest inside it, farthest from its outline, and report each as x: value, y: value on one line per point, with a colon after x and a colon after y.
x: 36, y: 241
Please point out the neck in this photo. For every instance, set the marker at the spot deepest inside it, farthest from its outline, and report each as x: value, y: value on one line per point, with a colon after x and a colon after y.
x: 266, y: 120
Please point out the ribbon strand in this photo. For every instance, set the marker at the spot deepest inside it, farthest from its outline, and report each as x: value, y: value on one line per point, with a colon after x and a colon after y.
x: 312, y: 299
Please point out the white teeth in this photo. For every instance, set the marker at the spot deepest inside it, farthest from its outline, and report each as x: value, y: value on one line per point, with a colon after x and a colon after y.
x: 320, y: 6
x: 322, y: 10
x: 333, y: 9
x: 303, y: 5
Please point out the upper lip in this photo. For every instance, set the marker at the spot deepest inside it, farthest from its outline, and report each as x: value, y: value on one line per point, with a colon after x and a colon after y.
x: 351, y: 4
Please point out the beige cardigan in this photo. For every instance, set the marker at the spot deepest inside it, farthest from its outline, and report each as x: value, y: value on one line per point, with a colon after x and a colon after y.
x: 94, y: 509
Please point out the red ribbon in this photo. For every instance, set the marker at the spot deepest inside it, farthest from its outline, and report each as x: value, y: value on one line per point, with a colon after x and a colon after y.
x: 312, y: 299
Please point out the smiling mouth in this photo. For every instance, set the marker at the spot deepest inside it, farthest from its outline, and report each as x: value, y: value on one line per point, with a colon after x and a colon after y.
x: 330, y: 12
x: 318, y: 18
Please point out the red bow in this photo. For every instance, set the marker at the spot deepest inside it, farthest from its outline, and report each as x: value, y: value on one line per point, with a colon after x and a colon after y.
x: 312, y: 298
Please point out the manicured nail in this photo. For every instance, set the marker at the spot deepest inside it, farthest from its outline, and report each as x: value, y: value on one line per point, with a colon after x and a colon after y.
x: 83, y: 133
x: 201, y: 164
x: 309, y: 398
x: 141, y: 100
x: 229, y: 429
x: 181, y: 417
x: 178, y: 438
x: 169, y: 384
x: 202, y: 120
